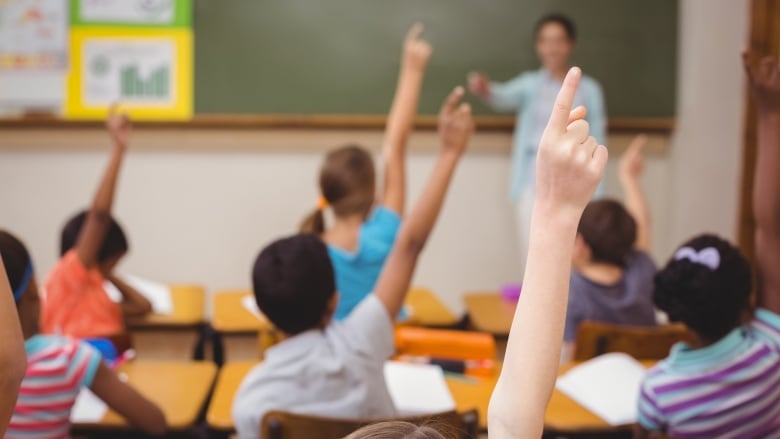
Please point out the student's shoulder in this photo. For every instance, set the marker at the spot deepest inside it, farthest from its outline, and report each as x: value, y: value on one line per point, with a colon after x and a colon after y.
x: 383, y: 216
x: 382, y: 226
x: 642, y: 260
x: 369, y: 329
x: 68, y: 266
x: 767, y: 323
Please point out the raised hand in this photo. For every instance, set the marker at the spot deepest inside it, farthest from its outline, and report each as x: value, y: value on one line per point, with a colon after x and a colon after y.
x: 632, y: 163
x: 479, y: 84
x: 455, y: 122
x: 119, y: 126
x: 570, y: 162
x: 764, y: 78
x: 417, y: 51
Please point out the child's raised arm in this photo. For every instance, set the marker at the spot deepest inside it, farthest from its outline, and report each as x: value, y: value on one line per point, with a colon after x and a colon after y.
x: 570, y: 164
x: 99, y: 217
x: 131, y: 405
x: 764, y: 78
x: 455, y: 129
x: 13, y: 359
x: 416, y: 53
x: 632, y: 165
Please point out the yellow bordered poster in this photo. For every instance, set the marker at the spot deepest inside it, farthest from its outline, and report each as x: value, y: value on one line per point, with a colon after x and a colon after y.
x: 144, y: 62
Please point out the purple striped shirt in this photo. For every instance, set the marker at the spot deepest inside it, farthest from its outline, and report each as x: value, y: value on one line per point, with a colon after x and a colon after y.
x: 730, y: 389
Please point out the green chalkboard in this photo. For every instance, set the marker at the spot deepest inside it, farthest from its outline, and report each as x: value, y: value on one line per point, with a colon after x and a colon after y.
x: 342, y: 56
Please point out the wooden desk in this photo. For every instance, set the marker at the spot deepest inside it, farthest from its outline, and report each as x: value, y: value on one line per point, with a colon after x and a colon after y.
x: 489, y: 312
x: 427, y: 310
x: 188, y: 311
x: 180, y: 389
x: 468, y: 394
x: 230, y: 316
x: 171, y: 337
x: 565, y: 415
x: 473, y: 393
x: 218, y: 416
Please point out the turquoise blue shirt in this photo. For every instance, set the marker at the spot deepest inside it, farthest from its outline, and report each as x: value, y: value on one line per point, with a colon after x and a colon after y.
x: 357, y: 273
x: 532, y: 95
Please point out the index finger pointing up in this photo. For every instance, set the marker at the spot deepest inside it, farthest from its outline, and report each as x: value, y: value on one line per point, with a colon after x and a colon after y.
x: 414, y: 32
x: 560, y: 115
x: 452, y: 100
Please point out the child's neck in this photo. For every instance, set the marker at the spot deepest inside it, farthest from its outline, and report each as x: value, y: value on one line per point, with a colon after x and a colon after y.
x: 345, y: 232
x: 601, y: 273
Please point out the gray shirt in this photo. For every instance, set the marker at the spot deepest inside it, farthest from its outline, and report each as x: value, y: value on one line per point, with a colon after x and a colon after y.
x: 627, y: 302
x: 336, y: 372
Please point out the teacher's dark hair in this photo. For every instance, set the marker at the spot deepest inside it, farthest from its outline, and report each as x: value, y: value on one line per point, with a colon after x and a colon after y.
x: 565, y: 22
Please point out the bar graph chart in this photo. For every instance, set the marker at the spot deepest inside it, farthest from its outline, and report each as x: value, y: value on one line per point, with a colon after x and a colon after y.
x: 156, y: 85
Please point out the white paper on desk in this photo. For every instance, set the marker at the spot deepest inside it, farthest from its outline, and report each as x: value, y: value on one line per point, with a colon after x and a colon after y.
x: 607, y: 385
x: 249, y: 303
x: 159, y: 295
x: 88, y: 408
x: 418, y: 389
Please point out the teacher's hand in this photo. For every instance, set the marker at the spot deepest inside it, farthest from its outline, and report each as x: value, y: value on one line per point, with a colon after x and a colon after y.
x: 479, y: 84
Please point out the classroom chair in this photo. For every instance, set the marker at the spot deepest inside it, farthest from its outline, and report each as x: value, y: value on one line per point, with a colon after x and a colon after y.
x: 651, y: 343
x: 284, y: 425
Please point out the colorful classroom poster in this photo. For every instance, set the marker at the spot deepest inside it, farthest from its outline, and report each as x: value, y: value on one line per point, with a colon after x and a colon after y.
x: 33, y: 34
x: 132, y: 12
x: 135, y: 52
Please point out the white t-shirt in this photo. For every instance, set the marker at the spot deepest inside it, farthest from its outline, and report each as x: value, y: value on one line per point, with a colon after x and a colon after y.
x: 336, y: 372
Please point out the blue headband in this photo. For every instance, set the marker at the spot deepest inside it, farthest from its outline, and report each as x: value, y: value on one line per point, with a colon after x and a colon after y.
x: 19, y: 291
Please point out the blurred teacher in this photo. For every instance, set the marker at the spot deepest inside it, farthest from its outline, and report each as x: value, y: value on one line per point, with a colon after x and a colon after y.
x: 531, y: 95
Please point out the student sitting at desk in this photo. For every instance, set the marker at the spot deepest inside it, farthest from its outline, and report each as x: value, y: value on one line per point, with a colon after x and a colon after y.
x: 336, y: 369
x: 363, y: 232
x: 75, y: 302
x: 612, y: 280
x: 59, y: 367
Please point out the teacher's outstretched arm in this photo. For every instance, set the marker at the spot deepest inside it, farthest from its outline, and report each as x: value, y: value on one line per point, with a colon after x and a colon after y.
x: 500, y: 96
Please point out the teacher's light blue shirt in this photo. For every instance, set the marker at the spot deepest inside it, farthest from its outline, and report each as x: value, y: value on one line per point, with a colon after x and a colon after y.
x: 532, y: 96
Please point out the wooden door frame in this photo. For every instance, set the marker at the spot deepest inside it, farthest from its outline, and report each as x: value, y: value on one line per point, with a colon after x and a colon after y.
x: 764, y: 40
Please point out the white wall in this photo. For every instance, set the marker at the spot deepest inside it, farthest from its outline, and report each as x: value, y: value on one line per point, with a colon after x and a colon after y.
x: 198, y: 206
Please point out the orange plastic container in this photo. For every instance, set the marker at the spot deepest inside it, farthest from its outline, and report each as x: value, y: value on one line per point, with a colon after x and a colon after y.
x: 456, y: 345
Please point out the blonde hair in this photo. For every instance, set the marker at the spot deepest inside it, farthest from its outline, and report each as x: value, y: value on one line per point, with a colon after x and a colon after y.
x: 398, y: 430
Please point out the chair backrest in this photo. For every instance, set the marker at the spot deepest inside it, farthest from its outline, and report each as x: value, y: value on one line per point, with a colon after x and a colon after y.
x: 651, y: 343
x: 284, y: 425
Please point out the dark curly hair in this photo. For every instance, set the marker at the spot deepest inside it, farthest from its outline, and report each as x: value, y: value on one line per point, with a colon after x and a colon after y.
x: 710, y: 302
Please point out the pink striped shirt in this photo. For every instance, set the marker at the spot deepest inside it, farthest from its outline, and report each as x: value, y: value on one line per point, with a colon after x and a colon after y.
x: 57, y: 369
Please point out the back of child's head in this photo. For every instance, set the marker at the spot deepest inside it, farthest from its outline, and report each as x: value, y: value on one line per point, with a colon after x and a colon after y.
x: 398, y: 430
x: 293, y: 282
x: 17, y: 261
x: 706, y: 285
x: 348, y: 185
x: 609, y: 231
x: 114, y: 243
